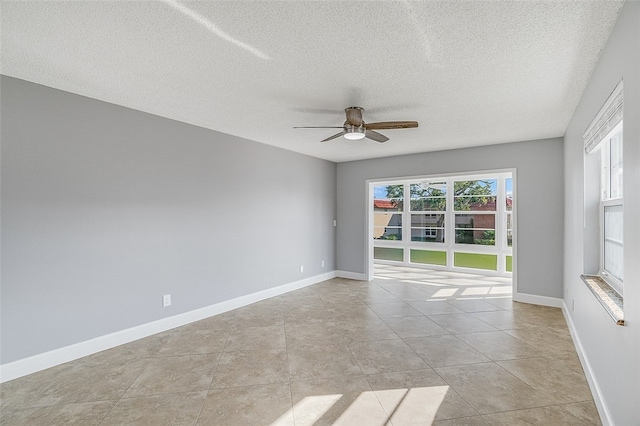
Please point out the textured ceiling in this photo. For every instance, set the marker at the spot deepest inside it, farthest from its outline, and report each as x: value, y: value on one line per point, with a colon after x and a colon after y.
x: 471, y: 72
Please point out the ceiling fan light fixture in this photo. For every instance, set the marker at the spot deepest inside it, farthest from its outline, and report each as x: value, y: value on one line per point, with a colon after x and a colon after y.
x: 354, y: 133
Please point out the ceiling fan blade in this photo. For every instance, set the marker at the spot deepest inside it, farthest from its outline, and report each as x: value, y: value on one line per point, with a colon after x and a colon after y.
x: 391, y: 125
x: 318, y: 127
x: 354, y: 116
x: 375, y: 136
x: 337, y: 135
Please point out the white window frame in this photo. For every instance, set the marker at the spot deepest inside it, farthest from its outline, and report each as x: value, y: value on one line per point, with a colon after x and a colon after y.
x: 500, y: 249
x: 495, y: 213
x: 607, y: 123
x: 605, y: 201
x: 410, y: 212
x: 401, y: 213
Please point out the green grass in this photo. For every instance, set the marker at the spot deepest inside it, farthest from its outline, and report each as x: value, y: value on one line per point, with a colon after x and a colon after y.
x: 385, y: 253
x: 509, y: 265
x: 476, y: 261
x: 429, y: 257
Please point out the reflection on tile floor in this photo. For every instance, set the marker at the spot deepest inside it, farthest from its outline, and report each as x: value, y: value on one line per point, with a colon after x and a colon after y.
x: 412, y: 347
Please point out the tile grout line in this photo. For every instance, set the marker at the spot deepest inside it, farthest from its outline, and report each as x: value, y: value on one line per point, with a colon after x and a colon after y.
x: 213, y: 376
x: 286, y: 350
x: 126, y: 390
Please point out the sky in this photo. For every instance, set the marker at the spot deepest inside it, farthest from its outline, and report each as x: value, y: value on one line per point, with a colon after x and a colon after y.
x: 380, y: 192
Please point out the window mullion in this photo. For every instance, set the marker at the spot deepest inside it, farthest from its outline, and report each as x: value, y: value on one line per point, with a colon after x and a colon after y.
x: 406, y: 222
x: 501, y: 224
x: 449, y: 222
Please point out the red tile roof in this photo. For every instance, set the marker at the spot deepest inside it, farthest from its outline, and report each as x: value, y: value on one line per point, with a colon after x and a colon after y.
x: 383, y: 204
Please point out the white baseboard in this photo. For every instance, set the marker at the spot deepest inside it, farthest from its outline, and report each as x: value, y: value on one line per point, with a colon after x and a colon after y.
x: 352, y: 275
x: 553, y: 302
x: 603, y: 411
x: 32, y: 364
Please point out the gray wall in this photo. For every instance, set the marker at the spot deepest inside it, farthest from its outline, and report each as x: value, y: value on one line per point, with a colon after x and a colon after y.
x: 105, y: 209
x: 612, y: 352
x: 539, y: 197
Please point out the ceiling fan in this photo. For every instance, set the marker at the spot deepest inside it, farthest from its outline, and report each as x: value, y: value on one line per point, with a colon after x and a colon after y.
x: 355, y: 128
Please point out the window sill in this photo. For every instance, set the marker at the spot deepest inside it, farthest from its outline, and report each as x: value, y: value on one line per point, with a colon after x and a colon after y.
x: 610, y: 299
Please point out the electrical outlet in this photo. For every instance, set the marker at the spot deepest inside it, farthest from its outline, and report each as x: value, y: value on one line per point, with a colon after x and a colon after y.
x: 573, y: 305
x: 322, y: 264
x: 301, y: 268
x: 166, y: 300
x: 335, y: 223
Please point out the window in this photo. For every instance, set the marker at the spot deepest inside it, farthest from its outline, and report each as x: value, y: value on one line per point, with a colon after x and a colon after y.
x: 611, y: 209
x: 388, y: 203
x: 447, y: 222
x: 478, y: 197
x: 604, y: 149
x: 428, y: 197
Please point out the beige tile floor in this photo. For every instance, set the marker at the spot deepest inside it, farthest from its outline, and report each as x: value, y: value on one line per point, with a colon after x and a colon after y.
x: 412, y: 347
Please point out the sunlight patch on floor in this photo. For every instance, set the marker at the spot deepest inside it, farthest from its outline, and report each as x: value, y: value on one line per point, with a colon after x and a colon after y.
x: 422, y: 283
x: 413, y: 406
x: 445, y: 292
x: 312, y: 409
x: 439, y: 285
x: 404, y: 406
x: 361, y: 408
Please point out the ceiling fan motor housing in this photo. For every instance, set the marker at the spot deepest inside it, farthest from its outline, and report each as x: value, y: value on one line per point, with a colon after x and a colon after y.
x: 354, y: 116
